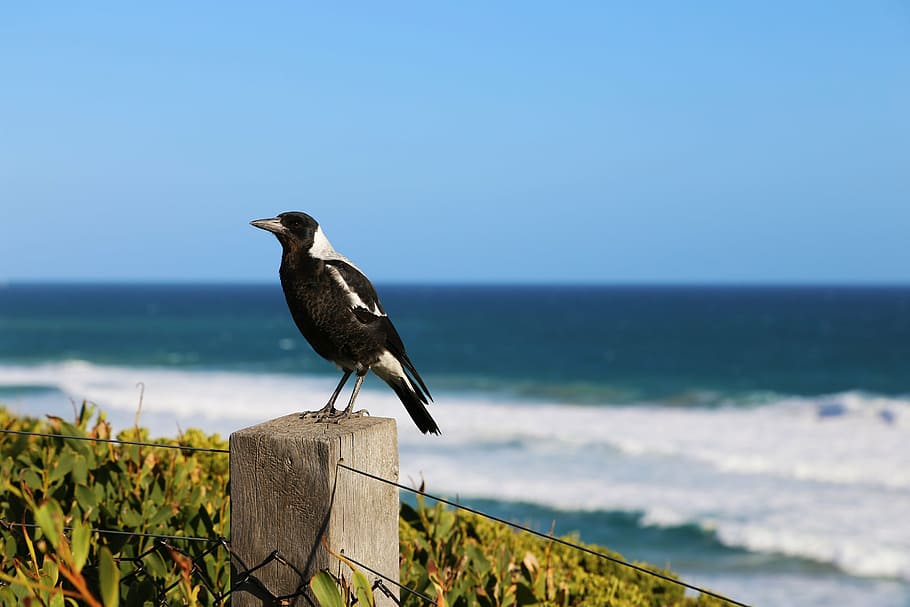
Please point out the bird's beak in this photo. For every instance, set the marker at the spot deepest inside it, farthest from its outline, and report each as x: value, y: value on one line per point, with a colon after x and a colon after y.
x: 270, y: 225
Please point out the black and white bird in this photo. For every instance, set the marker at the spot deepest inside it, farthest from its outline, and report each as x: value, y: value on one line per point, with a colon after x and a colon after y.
x: 338, y: 312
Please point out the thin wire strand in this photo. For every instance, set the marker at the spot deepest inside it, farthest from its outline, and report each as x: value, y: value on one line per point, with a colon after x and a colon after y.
x: 375, y: 477
x: 114, y: 440
x: 416, y: 593
x: 190, y: 538
x: 503, y: 521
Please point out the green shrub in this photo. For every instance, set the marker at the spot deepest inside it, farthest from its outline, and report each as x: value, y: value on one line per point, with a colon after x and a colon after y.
x: 88, y: 484
x: 472, y: 561
x: 62, y: 488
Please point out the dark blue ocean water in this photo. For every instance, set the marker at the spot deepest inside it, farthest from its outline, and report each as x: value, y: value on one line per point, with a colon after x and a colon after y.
x: 581, y: 344
x: 756, y: 439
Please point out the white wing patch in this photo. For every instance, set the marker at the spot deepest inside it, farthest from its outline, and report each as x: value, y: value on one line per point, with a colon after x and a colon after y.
x: 353, y: 296
x: 323, y: 249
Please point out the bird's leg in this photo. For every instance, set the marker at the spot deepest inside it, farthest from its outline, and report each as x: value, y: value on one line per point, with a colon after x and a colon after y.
x: 329, y: 409
x: 348, y: 411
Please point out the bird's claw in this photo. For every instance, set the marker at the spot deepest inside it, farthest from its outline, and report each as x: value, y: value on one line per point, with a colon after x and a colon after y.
x: 326, y: 413
x: 334, y: 416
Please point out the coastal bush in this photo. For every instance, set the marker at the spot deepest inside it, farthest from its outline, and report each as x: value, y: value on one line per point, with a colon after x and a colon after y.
x: 472, y: 561
x: 62, y: 488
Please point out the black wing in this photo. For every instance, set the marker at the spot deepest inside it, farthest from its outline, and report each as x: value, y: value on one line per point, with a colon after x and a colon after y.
x: 358, y: 287
x: 366, y: 307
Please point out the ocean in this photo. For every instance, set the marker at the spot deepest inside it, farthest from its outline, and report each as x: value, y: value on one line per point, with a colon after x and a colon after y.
x: 754, y: 439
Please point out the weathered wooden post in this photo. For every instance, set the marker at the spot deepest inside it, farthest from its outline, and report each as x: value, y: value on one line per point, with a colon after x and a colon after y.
x: 287, y: 493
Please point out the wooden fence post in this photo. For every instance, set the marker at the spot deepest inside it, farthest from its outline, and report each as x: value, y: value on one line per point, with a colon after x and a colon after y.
x: 287, y: 493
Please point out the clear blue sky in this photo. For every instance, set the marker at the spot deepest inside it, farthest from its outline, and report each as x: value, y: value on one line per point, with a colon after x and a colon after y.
x: 470, y: 141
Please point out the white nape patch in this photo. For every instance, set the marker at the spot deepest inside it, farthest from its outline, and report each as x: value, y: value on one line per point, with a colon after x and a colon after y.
x: 353, y: 296
x: 388, y: 367
x: 323, y: 249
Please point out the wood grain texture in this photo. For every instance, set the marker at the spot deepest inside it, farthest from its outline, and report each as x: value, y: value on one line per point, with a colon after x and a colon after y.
x: 287, y: 493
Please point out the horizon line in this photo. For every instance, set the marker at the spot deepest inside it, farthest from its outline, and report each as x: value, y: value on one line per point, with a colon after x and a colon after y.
x: 177, y: 282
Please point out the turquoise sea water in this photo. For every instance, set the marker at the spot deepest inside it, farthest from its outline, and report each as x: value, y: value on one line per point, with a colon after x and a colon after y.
x: 756, y: 439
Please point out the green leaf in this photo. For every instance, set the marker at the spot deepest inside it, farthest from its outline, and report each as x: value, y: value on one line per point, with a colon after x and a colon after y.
x: 31, y: 478
x: 50, y: 519
x: 326, y: 590
x: 86, y: 497
x: 80, y: 541
x: 163, y: 515
x: 156, y: 565
x: 109, y: 573
x: 63, y: 467
x: 80, y: 470
x: 50, y: 569
x: 445, y: 523
x: 478, y: 559
x: 131, y: 518
x: 8, y: 547
x: 98, y: 490
x: 363, y: 590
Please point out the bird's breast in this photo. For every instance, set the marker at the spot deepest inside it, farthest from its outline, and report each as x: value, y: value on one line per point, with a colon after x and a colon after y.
x: 324, y: 317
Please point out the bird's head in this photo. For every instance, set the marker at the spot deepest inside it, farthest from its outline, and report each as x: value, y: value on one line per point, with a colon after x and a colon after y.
x: 292, y: 229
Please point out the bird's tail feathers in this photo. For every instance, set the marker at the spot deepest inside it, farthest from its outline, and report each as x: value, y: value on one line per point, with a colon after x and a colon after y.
x: 396, y: 349
x: 413, y: 374
x: 395, y: 369
x: 415, y: 402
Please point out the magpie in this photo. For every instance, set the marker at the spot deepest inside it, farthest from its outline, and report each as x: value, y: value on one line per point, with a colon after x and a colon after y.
x: 338, y: 312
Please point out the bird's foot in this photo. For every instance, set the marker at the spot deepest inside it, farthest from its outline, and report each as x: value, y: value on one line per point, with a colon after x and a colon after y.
x: 342, y: 415
x: 325, y: 414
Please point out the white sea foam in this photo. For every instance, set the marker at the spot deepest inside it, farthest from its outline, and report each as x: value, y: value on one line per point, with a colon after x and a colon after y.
x: 213, y: 395
x: 824, y: 478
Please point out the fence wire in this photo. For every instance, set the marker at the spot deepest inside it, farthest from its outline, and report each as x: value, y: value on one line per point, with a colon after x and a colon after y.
x: 544, y: 536
x: 244, y: 577
x: 115, y: 441
x: 188, y: 564
x: 382, y: 577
